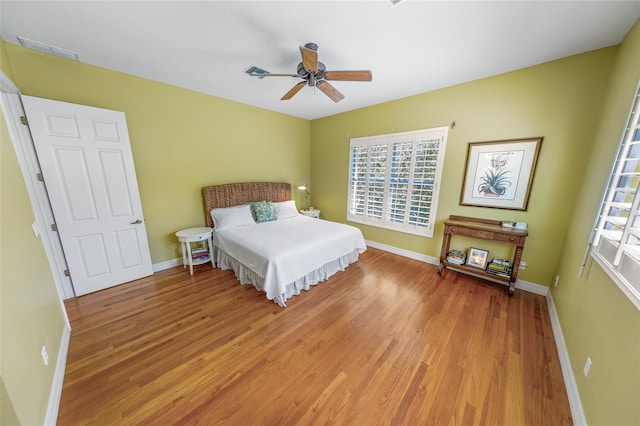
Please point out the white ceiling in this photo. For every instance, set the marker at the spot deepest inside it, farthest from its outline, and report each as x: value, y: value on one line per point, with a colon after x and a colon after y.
x: 412, y: 47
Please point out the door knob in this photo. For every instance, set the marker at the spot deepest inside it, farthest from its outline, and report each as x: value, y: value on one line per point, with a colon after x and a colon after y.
x: 137, y: 222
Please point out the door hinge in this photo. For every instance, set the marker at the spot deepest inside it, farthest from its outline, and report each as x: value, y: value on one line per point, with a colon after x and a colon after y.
x: 54, y: 227
x: 40, y: 177
x: 67, y: 273
x: 23, y: 120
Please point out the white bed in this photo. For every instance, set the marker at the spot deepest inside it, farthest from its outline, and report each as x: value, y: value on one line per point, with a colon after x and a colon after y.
x: 281, y: 257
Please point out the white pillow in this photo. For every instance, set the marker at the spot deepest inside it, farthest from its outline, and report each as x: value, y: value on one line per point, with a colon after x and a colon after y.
x: 285, y: 209
x: 228, y: 217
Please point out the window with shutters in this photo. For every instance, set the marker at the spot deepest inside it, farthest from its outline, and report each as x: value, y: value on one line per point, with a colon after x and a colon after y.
x: 616, y: 236
x: 394, y: 180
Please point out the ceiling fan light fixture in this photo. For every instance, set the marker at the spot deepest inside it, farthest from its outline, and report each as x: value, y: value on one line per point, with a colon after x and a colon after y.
x: 312, y: 46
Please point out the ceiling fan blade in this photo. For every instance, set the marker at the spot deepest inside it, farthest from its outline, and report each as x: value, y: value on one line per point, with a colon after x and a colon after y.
x: 295, y: 89
x: 309, y: 59
x: 330, y: 91
x: 348, y: 75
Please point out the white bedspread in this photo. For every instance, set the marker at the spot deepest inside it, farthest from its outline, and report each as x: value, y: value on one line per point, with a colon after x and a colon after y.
x: 283, y: 251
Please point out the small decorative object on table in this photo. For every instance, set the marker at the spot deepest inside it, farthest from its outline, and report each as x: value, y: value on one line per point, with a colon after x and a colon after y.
x: 307, y: 195
x: 311, y: 212
x: 477, y: 258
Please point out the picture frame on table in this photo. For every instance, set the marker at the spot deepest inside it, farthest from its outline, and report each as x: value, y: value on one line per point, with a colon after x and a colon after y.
x: 478, y: 258
x: 499, y: 174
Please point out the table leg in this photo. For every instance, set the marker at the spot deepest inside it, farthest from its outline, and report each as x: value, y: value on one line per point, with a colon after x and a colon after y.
x: 446, y: 240
x: 189, y: 258
x: 210, y: 242
x: 184, y: 254
x: 516, y: 267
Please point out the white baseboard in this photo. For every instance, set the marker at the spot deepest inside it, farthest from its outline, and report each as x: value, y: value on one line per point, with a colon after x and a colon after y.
x: 157, y: 267
x: 565, y: 364
x: 402, y: 252
x: 520, y: 284
x: 58, y: 379
x: 530, y: 287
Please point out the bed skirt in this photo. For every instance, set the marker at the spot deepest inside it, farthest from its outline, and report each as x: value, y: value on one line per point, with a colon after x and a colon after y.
x: 247, y: 276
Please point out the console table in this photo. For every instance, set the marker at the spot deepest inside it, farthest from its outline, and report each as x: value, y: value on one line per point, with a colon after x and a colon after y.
x: 484, y: 229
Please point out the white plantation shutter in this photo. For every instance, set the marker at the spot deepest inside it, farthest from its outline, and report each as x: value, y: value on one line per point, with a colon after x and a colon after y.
x: 424, y: 178
x: 616, y: 236
x: 394, y: 180
x: 376, y: 182
x: 358, y: 180
x: 398, y: 208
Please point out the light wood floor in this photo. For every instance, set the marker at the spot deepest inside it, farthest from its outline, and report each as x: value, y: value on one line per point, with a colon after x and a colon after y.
x: 386, y: 342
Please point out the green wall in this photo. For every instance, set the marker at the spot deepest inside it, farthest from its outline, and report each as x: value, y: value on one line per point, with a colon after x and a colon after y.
x: 598, y: 320
x: 181, y: 140
x: 31, y: 314
x: 184, y: 140
x: 579, y: 104
x: 559, y: 100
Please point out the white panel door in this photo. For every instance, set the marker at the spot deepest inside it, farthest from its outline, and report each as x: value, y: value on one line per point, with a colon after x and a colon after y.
x: 85, y: 157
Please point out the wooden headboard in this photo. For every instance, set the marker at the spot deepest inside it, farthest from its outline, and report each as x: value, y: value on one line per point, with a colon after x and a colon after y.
x: 233, y: 194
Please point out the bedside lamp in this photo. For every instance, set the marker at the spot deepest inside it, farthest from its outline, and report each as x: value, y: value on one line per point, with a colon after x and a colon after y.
x: 306, y: 196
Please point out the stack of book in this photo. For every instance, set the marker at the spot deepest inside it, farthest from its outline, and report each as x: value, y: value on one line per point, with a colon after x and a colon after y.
x: 200, y: 254
x: 457, y: 257
x: 499, y: 267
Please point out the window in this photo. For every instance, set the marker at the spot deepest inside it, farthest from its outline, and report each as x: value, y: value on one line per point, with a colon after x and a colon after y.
x: 617, y: 232
x: 394, y: 180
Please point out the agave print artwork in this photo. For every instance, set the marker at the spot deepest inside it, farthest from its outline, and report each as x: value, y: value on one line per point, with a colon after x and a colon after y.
x: 499, y: 174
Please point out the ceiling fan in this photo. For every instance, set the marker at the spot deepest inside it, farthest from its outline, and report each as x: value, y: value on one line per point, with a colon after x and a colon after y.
x: 314, y: 73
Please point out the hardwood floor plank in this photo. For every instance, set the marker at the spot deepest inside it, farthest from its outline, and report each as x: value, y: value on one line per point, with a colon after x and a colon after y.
x: 386, y: 342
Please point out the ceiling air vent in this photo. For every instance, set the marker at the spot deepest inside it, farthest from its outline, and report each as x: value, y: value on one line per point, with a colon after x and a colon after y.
x: 42, y: 47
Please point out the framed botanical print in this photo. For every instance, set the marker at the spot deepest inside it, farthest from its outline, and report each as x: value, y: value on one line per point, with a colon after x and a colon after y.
x: 499, y: 174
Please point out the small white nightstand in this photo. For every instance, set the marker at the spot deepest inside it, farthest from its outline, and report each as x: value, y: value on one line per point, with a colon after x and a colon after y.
x: 314, y: 213
x: 200, y: 255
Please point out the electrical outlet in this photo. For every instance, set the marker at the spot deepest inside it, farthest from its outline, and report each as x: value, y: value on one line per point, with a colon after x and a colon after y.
x: 587, y: 367
x: 45, y: 355
x: 555, y: 282
x: 523, y: 264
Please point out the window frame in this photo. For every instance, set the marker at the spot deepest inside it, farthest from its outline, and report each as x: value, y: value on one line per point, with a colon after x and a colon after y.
x: 615, y: 239
x: 415, y: 220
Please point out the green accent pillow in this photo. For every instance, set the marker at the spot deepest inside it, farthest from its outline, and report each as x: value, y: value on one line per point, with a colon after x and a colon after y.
x: 263, y: 211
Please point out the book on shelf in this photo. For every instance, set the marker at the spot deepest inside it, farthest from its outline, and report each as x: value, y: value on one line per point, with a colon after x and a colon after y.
x: 200, y: 254
x: 457, y: 257
x: 499, y: 268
